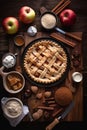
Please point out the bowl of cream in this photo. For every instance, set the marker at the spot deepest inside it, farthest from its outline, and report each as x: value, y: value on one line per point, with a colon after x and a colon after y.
x: 12, y: 107
x: 77, y: 77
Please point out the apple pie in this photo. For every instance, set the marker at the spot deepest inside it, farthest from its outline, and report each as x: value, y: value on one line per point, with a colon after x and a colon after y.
x: 45, y: 61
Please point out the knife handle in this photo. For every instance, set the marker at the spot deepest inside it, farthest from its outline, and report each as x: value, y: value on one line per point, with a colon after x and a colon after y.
x: 73, y: 36
x: 52, y: 124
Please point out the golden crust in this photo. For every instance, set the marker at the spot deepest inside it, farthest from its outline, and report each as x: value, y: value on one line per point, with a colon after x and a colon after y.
x: 45, y: 61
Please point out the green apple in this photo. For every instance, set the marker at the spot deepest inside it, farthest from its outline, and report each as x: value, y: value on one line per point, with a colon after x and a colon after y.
x: 10, y: 25
x: 26, y: 14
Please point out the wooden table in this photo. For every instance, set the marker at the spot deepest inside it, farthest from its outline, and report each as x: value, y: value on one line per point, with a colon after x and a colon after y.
x: 76, y: 113
x: 80, y: 26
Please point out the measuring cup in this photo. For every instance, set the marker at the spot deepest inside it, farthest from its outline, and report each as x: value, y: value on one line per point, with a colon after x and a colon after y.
x: 5, y: 81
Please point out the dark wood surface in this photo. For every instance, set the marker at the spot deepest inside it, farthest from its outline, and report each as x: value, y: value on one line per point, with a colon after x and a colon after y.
x: 10, y: 8
x: 77, y: 113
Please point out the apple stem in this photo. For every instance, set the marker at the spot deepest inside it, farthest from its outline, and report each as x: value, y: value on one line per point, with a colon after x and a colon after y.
x: 10, y: 23
x: 66, y: 14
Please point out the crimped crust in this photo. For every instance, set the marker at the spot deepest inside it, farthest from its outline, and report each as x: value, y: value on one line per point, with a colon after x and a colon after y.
x: 45, y: 61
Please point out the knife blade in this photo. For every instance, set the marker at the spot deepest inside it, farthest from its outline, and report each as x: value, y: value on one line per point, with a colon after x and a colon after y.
x: 62, y: 116
x: 66, y: 111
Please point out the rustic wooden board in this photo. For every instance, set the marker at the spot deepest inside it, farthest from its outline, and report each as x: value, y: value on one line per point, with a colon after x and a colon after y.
x: 77, y: 112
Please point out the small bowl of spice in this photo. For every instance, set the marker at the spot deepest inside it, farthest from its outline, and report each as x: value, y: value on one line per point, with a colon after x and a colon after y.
x: 19, y: 40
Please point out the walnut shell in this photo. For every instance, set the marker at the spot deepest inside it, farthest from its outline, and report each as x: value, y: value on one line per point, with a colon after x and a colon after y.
x: 47, y: 94
x: 34, y: 89
x: 37, y: 114
x: 39, y: 95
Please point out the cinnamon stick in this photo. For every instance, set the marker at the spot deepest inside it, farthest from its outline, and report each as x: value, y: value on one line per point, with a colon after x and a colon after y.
x: 57, y: 112
x: 52, y: 105
x: 62, y: 39
x: 60, y: 8
x: 45, y: 108
x: 51, y: 102
x: 48, y: 99
x: 59, y: 4
x: 73, y: 36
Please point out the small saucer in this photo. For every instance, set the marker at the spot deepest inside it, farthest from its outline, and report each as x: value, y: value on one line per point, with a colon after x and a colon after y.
x: 77, y: 77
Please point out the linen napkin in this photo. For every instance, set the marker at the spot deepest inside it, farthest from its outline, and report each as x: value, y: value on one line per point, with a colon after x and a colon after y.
x: 15, y: 122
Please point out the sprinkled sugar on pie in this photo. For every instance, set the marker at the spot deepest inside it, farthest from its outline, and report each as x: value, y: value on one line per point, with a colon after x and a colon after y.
x: 45, y: 61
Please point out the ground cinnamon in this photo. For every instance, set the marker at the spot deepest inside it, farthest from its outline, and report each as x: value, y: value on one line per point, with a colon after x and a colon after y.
x: 19, y: 40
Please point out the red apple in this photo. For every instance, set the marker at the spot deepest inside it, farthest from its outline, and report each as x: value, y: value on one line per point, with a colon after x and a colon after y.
x: 67, y: 17
x: 26, y: 14
x: 10, y: 25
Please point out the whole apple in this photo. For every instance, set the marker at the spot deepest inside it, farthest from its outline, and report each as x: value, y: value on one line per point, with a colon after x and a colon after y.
x: 26, y: 14
x: 67, y: 17
x: 10, y: 25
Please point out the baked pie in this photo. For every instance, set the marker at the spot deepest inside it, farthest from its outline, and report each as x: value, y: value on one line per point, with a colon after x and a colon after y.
x: 45, y: 61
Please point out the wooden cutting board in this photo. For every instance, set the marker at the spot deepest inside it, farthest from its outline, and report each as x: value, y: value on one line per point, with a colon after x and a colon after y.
x: 77, y: 112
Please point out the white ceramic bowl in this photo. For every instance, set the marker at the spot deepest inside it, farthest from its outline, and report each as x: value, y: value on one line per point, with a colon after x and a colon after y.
x: 77, y: 77
x: 13, y: 81
x: 12, y: 107
x: 22, y: 81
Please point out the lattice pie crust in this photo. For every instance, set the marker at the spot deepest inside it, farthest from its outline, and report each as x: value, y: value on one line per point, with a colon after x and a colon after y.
x: 45, y: 61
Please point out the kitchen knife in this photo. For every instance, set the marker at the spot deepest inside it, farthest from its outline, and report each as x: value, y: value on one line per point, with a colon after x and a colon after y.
x: 57, y: 120
x: 68, y: 34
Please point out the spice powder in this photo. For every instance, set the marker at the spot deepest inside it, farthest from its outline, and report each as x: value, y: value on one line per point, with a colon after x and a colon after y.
x: 19, y: 40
